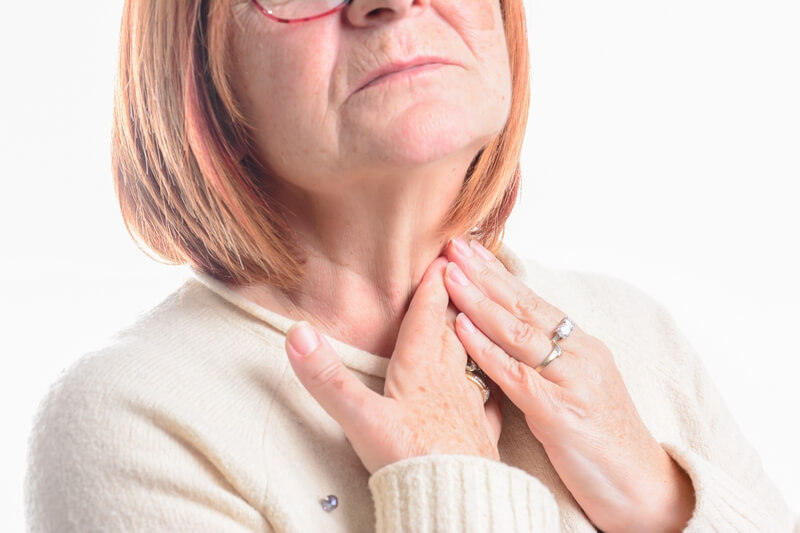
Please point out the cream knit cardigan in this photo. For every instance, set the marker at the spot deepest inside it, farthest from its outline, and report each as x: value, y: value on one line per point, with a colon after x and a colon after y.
x: 193, y: 420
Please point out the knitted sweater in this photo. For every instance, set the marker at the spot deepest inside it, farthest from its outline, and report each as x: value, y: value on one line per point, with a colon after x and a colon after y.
x: 192, y: 419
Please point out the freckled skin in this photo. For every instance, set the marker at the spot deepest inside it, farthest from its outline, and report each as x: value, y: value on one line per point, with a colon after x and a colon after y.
x: 427, y: 405
x: 578, y: 408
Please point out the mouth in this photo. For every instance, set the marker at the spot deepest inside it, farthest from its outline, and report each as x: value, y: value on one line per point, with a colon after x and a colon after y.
x: 405, y: 69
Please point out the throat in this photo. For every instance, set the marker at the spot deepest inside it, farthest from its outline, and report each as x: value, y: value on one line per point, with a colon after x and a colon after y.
x: 368, y: 324
x: 372, y: 327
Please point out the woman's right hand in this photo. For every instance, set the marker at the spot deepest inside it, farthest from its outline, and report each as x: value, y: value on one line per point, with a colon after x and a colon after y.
x: 428, y: 405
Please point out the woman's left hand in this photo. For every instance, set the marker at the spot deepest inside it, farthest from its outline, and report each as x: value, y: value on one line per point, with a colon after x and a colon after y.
x: 578, y: 406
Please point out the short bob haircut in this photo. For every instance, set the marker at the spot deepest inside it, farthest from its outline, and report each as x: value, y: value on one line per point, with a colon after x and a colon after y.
x: 188, y: 182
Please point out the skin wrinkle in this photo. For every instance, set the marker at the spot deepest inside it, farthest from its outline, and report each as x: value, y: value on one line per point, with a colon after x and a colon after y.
x: 367, y: 177
x: 485, y: 15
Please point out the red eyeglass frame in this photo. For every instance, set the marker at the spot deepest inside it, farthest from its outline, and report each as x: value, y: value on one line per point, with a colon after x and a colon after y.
x: 295, y: 21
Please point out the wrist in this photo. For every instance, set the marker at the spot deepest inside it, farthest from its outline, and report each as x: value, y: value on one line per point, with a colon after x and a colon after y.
x: 675, y: 506
x: 664, y: 504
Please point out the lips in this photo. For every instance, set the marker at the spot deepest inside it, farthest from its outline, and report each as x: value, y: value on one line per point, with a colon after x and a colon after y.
x: 399, y: 66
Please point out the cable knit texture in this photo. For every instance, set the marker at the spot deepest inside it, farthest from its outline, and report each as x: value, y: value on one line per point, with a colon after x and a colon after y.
x: 192, y: 419
x: 460, y: 493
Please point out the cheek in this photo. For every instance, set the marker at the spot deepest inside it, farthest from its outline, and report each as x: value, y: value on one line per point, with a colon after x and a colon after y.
x: 282, y: 71
x: 479, y: 23
x: 485, y: 36
x: 283, y: 80
x: 475, y: 15
x: 295, y: 84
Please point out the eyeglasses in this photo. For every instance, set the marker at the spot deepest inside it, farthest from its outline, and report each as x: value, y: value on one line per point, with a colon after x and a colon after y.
x: 292, y: 11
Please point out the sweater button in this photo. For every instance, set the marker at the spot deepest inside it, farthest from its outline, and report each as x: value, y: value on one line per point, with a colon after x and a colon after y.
x: 329, y: 503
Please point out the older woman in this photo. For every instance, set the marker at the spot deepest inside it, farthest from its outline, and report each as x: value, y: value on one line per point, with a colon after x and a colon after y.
x: 357, y: 350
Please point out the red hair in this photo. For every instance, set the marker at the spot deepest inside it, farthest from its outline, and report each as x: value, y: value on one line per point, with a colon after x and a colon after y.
x: 188, y: 184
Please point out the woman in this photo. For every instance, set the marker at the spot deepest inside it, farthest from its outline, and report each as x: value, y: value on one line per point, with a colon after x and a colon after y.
x: 338, y: 175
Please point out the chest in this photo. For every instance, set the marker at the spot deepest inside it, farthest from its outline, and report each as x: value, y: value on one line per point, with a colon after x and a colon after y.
x: 316, y: 465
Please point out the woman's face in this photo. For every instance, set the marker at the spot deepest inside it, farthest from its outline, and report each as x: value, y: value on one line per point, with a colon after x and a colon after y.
x: 302, y: 87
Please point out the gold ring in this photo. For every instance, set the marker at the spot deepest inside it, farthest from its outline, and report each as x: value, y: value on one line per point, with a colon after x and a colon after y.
x: 476, y: 375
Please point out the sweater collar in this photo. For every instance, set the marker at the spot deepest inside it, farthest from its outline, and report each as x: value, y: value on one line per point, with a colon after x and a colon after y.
x: 352, y: 357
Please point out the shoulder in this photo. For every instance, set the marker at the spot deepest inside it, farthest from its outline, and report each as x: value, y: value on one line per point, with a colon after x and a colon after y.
x: 640, y: 331
x: 155, y: 348
x: 154, y: 406
x: 601, y: 304
x: 192, y: 333
x: 192, y: 341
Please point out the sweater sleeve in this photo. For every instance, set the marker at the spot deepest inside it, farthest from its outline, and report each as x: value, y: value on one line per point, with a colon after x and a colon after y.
x: 732, y: 491
x: 98, y: 461
x: 460, y: 493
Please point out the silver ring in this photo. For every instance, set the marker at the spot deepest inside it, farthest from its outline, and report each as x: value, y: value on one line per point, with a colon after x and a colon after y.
x: 563, y: 329
x: 554, y: 354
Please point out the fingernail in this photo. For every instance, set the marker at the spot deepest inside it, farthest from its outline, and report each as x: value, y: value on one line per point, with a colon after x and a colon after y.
x: 456, y: 274
x: 466, y: 322
x: 485, y: 254
x: 461, y: 247
x: 302, y: 338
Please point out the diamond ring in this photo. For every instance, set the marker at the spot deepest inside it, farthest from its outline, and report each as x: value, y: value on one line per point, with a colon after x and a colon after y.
x: 564, y: 328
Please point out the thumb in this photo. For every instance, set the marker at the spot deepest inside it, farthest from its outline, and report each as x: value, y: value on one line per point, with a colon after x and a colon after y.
x: 322, y: 373
x: 427, y: 313
x: 494, y: 411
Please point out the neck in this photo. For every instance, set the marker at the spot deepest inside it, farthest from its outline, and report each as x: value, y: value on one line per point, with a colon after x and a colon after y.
x: 368, y: 247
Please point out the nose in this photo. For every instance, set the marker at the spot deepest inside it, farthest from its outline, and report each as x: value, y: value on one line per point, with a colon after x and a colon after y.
x: 370, y: 12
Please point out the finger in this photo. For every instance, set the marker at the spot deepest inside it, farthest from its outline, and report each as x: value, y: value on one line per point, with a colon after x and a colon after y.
x: 494, y: 411
x: 521, y: 383
x: 450, y: 314
x: 516, y: 337
x: 346, y: 399
x: 496, y: 282
x: 426, y: 314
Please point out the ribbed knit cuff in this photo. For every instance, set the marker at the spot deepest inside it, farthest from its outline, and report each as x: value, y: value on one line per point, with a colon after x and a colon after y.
x: 460, y: 493
x: 722, y: 503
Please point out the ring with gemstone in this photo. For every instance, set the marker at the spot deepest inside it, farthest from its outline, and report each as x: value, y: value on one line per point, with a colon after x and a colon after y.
x: 476, y: 375
x: 563, y: 330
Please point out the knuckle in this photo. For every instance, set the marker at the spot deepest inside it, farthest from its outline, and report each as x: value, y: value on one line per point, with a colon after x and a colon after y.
x: 485, y: 304
x: 484, y: 274
x: 519, y: 375
x: 490, y: 351
x: 521, y: 334
x: 526, y: 307
x: 594, y: 346
x: 328, y: 375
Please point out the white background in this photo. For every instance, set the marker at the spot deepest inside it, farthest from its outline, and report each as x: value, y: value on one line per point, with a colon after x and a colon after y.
x: 663, y: 149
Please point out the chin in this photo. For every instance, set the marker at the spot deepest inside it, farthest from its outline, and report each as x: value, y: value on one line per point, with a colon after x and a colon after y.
x: 425, y: 135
